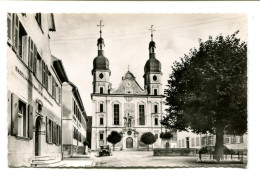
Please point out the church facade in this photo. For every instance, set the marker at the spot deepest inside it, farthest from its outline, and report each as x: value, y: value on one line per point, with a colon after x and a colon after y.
x: 129, y: 109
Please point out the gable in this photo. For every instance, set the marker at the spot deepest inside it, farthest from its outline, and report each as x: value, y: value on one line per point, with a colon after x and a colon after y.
x: 129, y: 85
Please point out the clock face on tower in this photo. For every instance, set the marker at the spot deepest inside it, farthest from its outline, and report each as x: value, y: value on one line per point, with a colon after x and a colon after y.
x: 128, y: 83
x: 101, y: 75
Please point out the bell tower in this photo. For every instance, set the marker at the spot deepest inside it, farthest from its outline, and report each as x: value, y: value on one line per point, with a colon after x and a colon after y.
x: 101, y: 72
x: 152, y: 70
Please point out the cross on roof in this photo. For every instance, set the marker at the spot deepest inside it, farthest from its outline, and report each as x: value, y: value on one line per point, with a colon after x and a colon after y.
x: 128, y: 67
x: 152, y: 30
x: 100, y: 25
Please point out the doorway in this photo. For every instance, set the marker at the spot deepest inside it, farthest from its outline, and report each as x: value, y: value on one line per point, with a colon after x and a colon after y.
x: 37, y: 136
x: 129, y: 142
x: 187, y: 142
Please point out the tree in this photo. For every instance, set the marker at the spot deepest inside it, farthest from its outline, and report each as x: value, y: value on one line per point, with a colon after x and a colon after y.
x: 148, y: 138
x: 207, y: 90
x: 114, y: 137
x: 166, y: 135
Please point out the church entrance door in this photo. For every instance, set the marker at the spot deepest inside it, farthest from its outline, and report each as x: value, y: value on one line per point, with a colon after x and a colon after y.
x: 129, y: 142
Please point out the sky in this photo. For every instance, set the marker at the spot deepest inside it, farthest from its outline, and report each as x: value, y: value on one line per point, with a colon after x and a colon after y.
x: 127, y: 38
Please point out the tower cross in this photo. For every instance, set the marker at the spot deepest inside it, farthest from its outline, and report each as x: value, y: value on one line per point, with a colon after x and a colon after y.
x: 128, y: 67
x: 100, y: 25
x: 152, y: 30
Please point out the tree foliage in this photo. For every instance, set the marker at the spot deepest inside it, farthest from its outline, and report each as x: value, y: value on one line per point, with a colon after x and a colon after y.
x: 148, y: 138
x: 114, y: 137
x: 207, y: 90
x: 166, y: 135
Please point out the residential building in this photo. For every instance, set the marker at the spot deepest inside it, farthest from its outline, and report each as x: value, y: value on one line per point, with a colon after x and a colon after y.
x: 74, y: 120
x: 34, y: 91
x: 89, y: 130
x: 192, y: 140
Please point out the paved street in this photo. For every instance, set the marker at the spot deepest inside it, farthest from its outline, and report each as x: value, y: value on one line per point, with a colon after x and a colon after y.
x: 146, y: 159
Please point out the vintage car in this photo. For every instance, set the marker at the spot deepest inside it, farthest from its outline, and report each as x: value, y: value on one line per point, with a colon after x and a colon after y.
x: 104, y: 150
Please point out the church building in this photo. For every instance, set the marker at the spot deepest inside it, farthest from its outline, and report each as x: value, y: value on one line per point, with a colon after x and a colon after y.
x: 129, y: 109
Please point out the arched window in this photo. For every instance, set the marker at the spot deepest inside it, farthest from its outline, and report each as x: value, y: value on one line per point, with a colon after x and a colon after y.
x: 155, y: 91
x: 141, y: 115
x: 101, y: 106
x: 116, y: 114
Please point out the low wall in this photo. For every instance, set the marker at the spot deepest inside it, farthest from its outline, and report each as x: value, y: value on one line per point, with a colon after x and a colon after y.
x: 174, y: 152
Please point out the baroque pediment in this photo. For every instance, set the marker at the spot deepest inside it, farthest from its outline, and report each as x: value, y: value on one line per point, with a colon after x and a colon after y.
x: 129, y: 85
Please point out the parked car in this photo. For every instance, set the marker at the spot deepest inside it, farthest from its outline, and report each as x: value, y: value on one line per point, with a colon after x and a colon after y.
x: 104, y: 150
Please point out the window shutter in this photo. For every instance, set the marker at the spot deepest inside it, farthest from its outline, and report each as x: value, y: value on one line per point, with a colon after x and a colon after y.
x: 9, y: 110
x: 241, y: 139
x: 35, y: 60
x: 15, y: 32
x: 43, y: 72
x: 52, y: 124
x: 60, y: 135
x: 46, y: 77
x: 25, y: 48
x: 30, y: 121
x: 9, y: 27
x: 47, y: 130
x: 233, y: 139
x: 14, y: 122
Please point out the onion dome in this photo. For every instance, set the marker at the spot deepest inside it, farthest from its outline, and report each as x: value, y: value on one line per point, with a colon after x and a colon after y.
x: 152, y: 65
x: 100, y: 62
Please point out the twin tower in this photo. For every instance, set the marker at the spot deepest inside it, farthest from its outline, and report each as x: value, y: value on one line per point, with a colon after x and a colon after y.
x: 101, y: 72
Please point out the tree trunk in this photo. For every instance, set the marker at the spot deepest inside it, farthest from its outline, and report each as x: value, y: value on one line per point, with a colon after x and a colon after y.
x: 113, y: 147
x: 147, y: 147
x: 219, y: 144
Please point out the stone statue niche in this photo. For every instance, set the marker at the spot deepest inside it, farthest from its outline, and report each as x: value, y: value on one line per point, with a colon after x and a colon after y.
x: 129, y: 114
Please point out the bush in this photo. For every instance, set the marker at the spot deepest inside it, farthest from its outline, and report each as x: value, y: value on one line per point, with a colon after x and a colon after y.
x: 148, y: 138
x: 208, y: 149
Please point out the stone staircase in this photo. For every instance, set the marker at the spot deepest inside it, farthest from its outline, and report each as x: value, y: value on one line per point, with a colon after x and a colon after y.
x: 46, y: 161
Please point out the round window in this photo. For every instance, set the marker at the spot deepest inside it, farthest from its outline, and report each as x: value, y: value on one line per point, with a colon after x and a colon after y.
x: 101, y: 75
x: 129, y: 132
x: 154, y: 77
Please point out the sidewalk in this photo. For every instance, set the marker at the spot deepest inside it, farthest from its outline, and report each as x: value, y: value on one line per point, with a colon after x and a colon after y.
x: 78, y: 161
